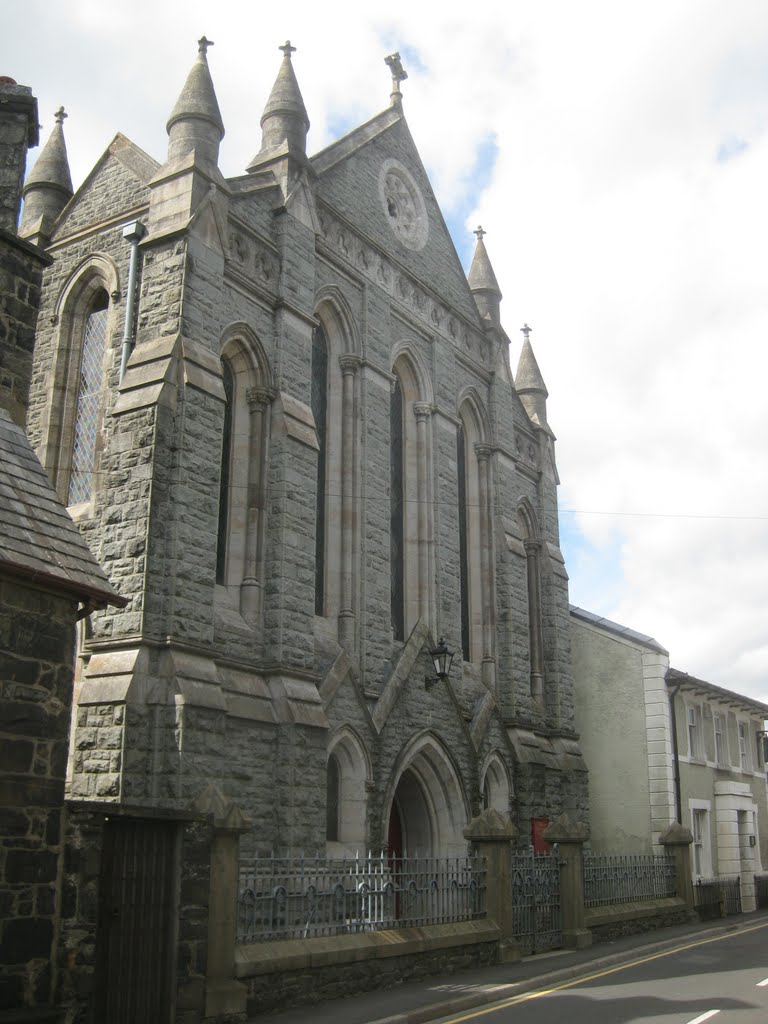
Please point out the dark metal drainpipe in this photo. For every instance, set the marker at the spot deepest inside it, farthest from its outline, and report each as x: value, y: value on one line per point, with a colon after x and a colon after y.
x: 133, y: 233
x: 676, y: 753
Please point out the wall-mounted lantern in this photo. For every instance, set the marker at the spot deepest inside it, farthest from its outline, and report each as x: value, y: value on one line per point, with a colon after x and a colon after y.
x: 441, y: 659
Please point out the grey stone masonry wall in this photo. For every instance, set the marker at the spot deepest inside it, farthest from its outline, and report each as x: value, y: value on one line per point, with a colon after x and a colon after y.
x: 305, y: 987
x: 18, y: 131
x: 196, y: 679
x: 79, y: 941
x: 113, y: 188
x: 21, y: 269
x: 35, y: 693
x: 21, y: 264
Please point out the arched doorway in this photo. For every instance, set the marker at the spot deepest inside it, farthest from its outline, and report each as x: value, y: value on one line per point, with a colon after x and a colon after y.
x: 410, y: 829
x: 428, y: 810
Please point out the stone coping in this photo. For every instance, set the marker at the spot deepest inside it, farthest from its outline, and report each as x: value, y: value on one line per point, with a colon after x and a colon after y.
x: 300, y: 954
x: 598, y: 916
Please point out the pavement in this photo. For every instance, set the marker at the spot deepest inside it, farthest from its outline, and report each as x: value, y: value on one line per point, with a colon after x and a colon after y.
x: 417, y: 1002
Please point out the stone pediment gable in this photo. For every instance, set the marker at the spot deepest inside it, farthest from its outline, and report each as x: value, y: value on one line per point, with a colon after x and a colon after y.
x: 118, y: 182
x: 380, y: 188
x: 341, y: 675
x: 400, y: 675
x: 406, y: 675
x: 415, y: 302
x: 349, y: 144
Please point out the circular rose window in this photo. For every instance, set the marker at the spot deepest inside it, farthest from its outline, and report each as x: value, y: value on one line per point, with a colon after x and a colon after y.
x: 403, y: 205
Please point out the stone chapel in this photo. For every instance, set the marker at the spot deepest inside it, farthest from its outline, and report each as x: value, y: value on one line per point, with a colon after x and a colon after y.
x: 285, y: 421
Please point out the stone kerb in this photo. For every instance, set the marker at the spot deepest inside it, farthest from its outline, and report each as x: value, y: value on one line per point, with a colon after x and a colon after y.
x: 570, y: 835
x: 492, y: 835
x: 678, y: 839
x: 224, y: 995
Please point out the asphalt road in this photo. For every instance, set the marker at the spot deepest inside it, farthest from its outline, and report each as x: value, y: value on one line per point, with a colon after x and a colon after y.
x: 723, y: 979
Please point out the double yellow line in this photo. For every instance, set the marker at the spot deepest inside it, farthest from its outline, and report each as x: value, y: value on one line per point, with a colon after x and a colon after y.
x: 571, y: 983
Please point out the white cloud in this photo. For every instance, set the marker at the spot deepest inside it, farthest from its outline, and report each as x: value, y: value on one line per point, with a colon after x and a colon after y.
x: 627, y: 220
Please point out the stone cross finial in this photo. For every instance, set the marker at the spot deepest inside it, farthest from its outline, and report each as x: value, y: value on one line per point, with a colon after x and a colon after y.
x: 526, y: 330
x: 479, y: 232
x: 399, y: 74
x: 203, y: 44
x: 287, y: 49
x: 60, y: 115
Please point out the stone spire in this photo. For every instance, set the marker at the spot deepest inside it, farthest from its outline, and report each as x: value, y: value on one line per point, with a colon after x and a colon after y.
x: 48, y: 187
x: 284, y: 123
x: 195, y: 124
x: 483, y: 283
x: 529, y: 382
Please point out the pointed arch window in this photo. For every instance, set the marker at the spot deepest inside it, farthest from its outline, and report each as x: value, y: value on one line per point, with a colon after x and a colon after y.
x: 332, y: 799
x: 532, y: 547
x: 461, y: 469
x: 242, y: 480
x: 88, y: 403
x: 396, y: 512
x: 319, y: 403
x: 228, y: 381
x: 476, y: 577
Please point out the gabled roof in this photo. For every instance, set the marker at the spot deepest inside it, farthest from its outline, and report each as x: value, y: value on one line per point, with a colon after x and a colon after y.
x: 677, y: 678
x: 38, y: 539
x: 138, y: 169
x: 617, y: 630
x: 351, y: 175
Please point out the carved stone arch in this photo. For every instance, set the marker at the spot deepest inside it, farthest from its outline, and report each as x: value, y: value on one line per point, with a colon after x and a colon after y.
x: 472, y: 409
x: 413, y: 374
x: 98, y: 267
x: 239, y: 341
x: 496, y: 786
x: 426, y: 798
x: 94, y: 275
x: 528, y: 520
x: 351, y: 778
x: 335, y: 313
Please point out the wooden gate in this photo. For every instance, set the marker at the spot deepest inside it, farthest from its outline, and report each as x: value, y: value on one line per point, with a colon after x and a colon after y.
x: 138, y: 910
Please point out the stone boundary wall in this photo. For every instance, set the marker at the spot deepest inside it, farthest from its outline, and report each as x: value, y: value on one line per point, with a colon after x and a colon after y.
x: 298, y: 972
x: 79, y: 920
x: 36, y: 629
x: 608, y: 923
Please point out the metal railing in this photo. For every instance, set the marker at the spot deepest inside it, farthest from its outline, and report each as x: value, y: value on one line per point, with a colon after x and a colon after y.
x: 761, y: 891
x: 626, y: 878
x: 717, y: 897
x: 536, y: 920
x: 298, y: 897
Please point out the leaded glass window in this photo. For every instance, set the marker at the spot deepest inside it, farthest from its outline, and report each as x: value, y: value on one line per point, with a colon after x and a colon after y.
x: 319, y: 401
x: 461, y: 470
x: 228, y: 381
x: 396, y: 510
x: 88, y: 408
x: 332, y: 799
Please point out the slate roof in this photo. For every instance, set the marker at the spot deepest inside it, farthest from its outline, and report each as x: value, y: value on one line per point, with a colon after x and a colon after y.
x: 704, y: 689
x: 38, y: 539
x: 617, y: 629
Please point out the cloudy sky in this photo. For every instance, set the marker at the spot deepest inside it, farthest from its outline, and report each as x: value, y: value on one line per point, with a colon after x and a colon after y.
x: 617, y: 155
